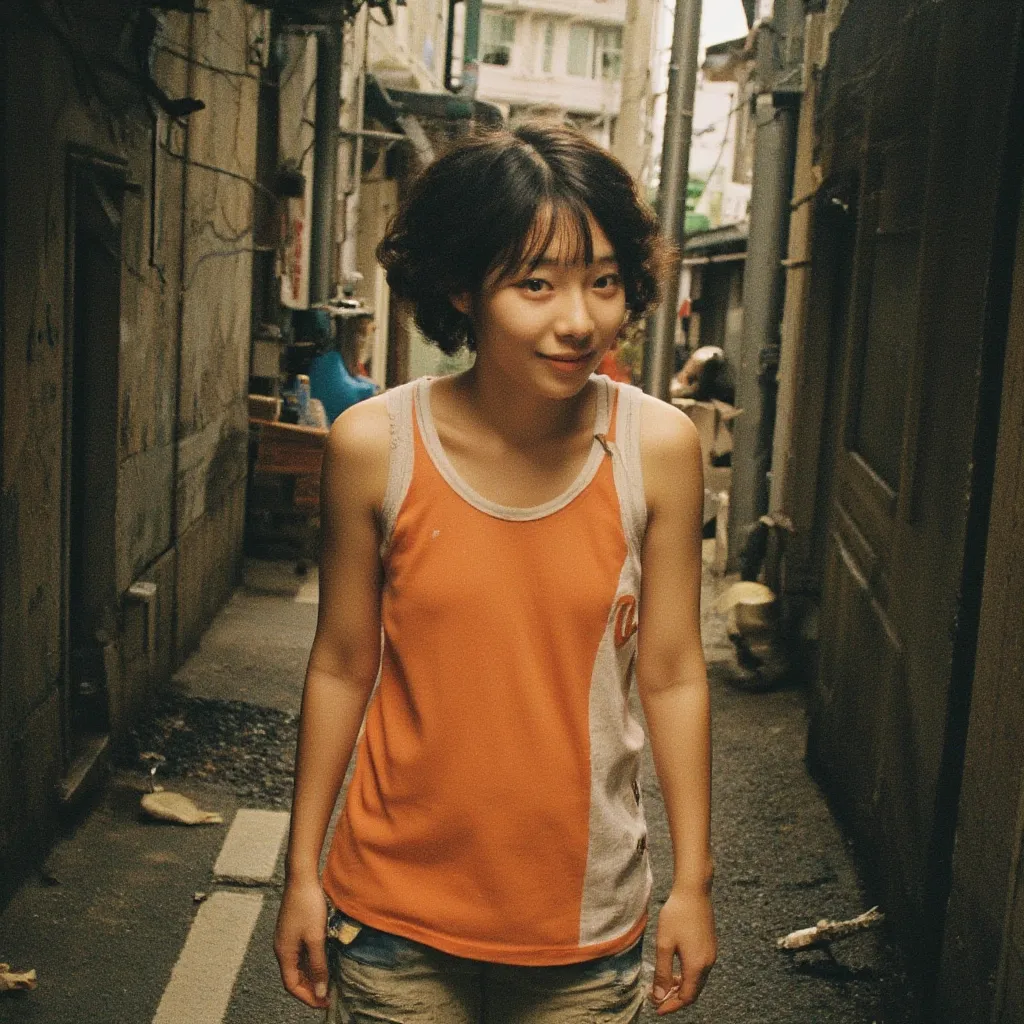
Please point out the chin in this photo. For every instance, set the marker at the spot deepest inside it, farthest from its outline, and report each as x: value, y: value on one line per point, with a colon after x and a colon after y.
x: 567, y: 388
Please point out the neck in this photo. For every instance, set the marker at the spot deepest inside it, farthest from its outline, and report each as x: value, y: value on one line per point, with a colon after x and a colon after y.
x: 520, y: 419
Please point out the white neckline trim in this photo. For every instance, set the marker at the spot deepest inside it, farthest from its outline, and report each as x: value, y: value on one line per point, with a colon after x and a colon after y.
x: 432, y: 442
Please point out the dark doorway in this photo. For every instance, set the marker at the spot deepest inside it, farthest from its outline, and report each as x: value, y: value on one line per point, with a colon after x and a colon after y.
x: 95, y: 194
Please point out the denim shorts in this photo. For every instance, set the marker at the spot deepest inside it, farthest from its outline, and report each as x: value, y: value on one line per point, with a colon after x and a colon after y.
x: 378, y: 977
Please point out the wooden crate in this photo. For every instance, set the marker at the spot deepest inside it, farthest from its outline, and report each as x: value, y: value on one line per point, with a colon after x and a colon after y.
x: 289, y: 449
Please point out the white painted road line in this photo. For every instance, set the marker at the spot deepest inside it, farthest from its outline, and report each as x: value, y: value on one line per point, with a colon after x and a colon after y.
x: 204, y: 976
x: 252, y: 846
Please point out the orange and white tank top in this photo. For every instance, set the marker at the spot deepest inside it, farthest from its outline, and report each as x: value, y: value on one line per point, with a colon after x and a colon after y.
x: 495, y: 809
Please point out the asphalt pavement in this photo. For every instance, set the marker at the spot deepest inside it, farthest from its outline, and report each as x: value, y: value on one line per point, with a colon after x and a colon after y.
x: 127, y: 922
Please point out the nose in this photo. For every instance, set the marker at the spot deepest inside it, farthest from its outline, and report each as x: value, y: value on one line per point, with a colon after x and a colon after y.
x: 575, y: 323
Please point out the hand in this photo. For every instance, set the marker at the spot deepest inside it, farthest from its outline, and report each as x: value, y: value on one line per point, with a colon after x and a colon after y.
x: 299, y: 942
x: 686, y: 928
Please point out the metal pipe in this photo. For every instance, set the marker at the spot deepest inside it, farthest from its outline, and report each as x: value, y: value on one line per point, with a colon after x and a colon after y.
x: 368, y: 133
x: 325, y: 162
x: 779, y: 51
x: 763, y: 295
x: 353, y: 185
x: 449, y: 44
x: 675, y: 174
x: 471, y: 48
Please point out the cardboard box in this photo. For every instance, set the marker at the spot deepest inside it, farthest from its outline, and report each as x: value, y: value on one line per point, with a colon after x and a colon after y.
x: 713, y: 421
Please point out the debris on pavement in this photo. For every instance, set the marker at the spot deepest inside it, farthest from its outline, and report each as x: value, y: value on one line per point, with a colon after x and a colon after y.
x: 177, y: 808
x: 825, y: 932
x: 16, y: 981
x: 248, y: 748
x: 200, y: 897
x: 753, y: 627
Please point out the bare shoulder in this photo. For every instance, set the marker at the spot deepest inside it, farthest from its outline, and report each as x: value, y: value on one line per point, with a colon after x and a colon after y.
x: 357, y: 451
x: 670, y: 452
x: 666, y: 433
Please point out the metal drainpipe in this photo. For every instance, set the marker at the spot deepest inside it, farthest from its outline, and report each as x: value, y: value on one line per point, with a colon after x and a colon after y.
x: 763, y: 294
x: 353, y: 185
x: 175, y: 523
x: 325, y: 162
x: 449, y: 44
x: 675, y: 173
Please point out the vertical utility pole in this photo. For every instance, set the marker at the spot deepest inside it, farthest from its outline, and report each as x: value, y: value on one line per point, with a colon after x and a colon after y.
x: 675, y: 174
x: 779, y: 56
x: 325, y: 163
x: 471, y: 49
x: 629, y: 145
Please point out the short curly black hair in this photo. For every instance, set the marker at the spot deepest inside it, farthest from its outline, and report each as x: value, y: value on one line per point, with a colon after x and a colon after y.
x: 479, y: 210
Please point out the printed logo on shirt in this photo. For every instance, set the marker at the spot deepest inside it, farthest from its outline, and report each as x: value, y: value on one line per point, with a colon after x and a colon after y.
x: 625, y: 619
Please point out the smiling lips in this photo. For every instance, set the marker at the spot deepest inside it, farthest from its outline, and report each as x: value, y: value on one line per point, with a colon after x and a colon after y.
x: 567, y: 363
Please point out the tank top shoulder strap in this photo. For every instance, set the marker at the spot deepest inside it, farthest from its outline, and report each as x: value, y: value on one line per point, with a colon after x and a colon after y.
x: 628, y: 468
x: 401, y: 456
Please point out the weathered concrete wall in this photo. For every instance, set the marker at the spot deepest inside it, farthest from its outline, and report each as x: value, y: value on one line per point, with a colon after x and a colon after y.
x: 177, y: 466
x: 212, y: 419
x: 46, y: 119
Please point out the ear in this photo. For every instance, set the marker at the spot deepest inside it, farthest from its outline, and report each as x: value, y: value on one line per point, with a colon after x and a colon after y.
x: 462, y: 301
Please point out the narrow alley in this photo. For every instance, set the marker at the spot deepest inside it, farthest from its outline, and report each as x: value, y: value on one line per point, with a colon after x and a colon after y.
x: 224, y: 224
x: 108, y: 916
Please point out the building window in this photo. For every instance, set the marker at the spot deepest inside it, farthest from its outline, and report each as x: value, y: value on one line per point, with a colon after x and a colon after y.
x: 497, y: 37
x: 595, y: 52
x: 548, y: 48
x: 608, y: 62
x: 581, y: 51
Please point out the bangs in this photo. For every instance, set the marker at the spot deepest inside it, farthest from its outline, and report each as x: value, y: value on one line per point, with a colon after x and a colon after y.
x: 561, y: 221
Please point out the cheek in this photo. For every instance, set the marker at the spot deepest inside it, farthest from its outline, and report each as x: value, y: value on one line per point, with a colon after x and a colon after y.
x: 514, y: 318
x: 611, y: 317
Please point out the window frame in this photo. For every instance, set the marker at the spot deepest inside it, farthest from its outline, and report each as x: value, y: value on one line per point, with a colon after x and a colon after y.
x: 493, y: 31
x: 547, y: 46
x: 602, y: 51
x: 588, y: 57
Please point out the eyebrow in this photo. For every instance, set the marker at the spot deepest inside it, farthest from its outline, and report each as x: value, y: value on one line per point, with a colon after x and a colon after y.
x: 604, y: 259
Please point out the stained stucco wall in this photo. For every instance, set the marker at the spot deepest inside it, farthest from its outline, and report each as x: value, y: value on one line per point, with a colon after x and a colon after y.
x: 177, y: 466
x: 212, y: 424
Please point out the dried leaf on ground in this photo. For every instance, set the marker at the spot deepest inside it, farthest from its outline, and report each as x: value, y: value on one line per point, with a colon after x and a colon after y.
x: 16, y: 981
x: 177, y: 808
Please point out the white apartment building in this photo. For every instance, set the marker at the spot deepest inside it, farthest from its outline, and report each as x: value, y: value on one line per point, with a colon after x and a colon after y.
x: 559, y: 58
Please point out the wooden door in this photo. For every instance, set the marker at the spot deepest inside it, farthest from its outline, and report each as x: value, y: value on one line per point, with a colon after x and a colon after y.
x: 907, y: 511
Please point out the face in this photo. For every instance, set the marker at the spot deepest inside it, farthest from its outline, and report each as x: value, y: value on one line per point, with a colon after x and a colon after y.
x: 547, y: 327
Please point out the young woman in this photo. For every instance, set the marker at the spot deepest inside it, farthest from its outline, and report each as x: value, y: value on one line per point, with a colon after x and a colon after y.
x: 504, y: 551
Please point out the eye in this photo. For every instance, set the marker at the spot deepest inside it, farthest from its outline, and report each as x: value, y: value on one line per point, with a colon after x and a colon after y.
x: 534, y: 285
x: 607, y: 282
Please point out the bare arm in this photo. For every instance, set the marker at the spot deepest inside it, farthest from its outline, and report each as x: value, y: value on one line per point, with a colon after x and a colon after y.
x: 673, y: 687
x: 339, y: 679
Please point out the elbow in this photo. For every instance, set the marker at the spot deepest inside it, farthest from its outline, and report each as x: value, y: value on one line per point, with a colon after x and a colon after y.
x: 354, y: 671
x: 682, y: 672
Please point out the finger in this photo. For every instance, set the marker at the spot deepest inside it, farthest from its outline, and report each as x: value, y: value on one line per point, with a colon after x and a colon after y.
x: 671, y: 1002
x: 316, y: 953
x: 294, y: 980
x: 664, y: 981
x: 691, y: 985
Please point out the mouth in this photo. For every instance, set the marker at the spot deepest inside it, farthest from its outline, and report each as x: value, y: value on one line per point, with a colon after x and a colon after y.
x: 572, y: 362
